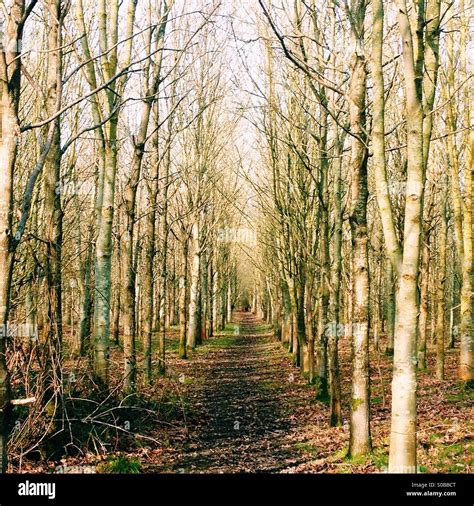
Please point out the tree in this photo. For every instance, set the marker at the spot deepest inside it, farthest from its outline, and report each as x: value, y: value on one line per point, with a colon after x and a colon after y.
x: 105, y: 110
x: 360, y: 443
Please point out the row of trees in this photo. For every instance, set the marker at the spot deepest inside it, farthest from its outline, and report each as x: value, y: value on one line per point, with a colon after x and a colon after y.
x: 366, y: 228
x: 113, y: 194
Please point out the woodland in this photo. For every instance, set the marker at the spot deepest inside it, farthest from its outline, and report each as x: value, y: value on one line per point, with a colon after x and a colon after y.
x: 236, y: 236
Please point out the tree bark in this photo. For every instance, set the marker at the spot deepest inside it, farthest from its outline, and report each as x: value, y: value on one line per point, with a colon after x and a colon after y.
x: 360, y: 440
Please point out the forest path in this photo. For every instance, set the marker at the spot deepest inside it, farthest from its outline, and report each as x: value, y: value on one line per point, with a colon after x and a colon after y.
x: 247, y: 403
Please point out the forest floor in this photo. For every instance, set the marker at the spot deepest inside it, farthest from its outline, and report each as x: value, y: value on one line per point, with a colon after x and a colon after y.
x: 239, y: 404
x: 247, y: 402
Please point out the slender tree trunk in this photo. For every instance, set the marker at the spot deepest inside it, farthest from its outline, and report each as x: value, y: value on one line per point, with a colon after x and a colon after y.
x: 129, y: 313
x: 323, y: 306
x: 193, y: 328
x: 335, y: 416
x: 392, y: 245
x: 390, y: 307
x: 53, y: 210
x: 403, y: 424
x: 360, y: 441
x: 10, y: 86
x: 423, y: 319
x: 441, y: 293
x: 229, y: 303
x: 105, y: 199
x: 215, y: 301
x: 164, y: 265
x: 204, y: 298
x: 309, y: 329
x: 85, y: 281
x: 211, y: 297
x: 466, y: 367
x: 103, y: 260
x: 183, y: 298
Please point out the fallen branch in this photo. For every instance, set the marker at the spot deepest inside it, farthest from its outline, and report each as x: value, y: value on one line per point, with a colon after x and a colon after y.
x: 23, y: 402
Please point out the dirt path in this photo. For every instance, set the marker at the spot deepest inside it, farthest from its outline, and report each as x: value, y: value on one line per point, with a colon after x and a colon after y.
x: 244, y: 395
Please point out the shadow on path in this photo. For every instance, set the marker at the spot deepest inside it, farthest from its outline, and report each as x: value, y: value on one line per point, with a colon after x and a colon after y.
x: 242, y: 393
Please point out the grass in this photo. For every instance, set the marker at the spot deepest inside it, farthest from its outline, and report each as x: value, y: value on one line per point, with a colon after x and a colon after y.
x: 263, y: 327
x: 306, y: 447
x: 231, y: 328
x: 120, y: 465
x: 452, y: 451
x: 449, y: 457
x: 173, y: 405
x: 462, y: 395
x: 221, y: 341
x: 269, y: 385
x: 338, y: 456
x: 171, y: 343
x: 379, y: 458
x: 184, y: 380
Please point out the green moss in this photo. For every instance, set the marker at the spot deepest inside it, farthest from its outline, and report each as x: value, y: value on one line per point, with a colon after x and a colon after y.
x: 379, y: 457
x: 357, y: 460
x: 185, y: 380
x: 345, y: 470
x: 453, y: 458
x: 356, y: 403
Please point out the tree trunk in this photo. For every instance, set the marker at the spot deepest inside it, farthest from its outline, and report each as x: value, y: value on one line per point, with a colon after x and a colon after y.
x: 441, y: 294
x: 183, y: 298
x: 402, y: 457
x: 193, y: 328
x: 335, y: 416
x: 423, y: 319
x: 53, y: 211
x: 360, y: 440
x: 103, y: 260
x: 10, y: 86
x: 466, y: 367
